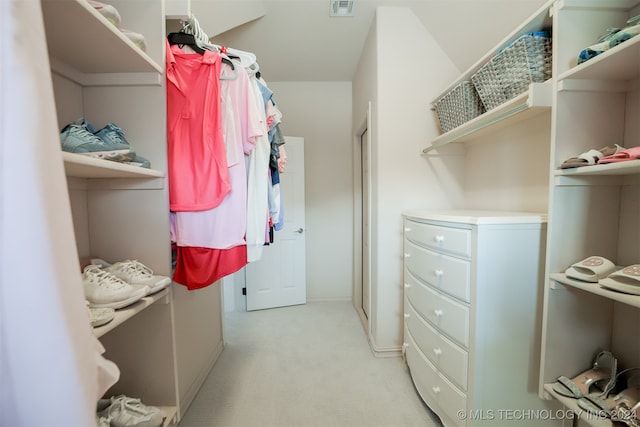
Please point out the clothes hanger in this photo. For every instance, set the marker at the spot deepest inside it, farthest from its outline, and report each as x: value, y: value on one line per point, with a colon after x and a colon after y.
x: 184, y: 39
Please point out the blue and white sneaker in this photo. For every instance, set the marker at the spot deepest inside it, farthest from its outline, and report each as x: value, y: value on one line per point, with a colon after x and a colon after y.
x: 612, y: 38
x: 77, y: 138
x: 112, y: 134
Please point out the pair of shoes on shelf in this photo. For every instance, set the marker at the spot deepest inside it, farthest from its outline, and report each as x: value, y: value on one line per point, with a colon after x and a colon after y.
x: 611, y: 38
x: 135, y: 273
x: 597, y: 269
x: 591, y: 157
x: 632, y: 153
x: 100, y: 316
x: 104, y: 290
x: 124, y: 411
x: 109, y: 143
x: 621, y: 403
x: 600, y: 379
x: 113, y: 16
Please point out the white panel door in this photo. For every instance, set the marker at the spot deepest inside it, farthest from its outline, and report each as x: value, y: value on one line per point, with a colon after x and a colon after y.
x: 278, y: 278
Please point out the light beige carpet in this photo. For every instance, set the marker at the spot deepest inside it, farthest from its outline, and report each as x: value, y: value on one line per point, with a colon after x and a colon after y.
x: 307, y: 365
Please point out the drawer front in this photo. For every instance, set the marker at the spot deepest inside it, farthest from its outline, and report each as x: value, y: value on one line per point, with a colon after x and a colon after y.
x: 449, y: 274
x: 446, y: 356
x: 445, y: 314
x: 445, y: 398
x: 453, y: 240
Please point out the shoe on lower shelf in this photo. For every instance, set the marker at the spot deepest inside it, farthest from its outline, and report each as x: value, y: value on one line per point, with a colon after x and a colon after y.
x: 104, y: 290
x: 100, y: 316
x: 77, y: 138
x: 135, y: 273
x: 136, y: 38
x: 124, y: 411
x: 611, y: 38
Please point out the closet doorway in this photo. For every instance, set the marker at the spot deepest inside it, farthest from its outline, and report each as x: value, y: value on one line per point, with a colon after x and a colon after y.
x: 362, y: 221
x: 278, y: 279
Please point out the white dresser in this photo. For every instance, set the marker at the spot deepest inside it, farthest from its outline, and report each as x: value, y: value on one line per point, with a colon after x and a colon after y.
x: 472, y: 308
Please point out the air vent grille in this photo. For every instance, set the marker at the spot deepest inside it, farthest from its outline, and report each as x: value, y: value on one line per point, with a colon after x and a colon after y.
x: 341, y: 7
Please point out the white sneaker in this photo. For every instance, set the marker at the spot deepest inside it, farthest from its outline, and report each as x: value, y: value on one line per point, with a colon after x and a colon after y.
x: 103, y: 289
x: 126, y: 411
x: 134, y: 273
x: 108, y: 11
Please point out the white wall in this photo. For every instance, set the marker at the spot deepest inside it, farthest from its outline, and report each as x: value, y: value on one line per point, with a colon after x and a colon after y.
x: 400, y: 71
x: 320, y: 112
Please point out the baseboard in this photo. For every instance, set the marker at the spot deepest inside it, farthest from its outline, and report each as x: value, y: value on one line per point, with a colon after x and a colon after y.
x: 314, y: 299
x: 377, y: 351
x: 193, y: 390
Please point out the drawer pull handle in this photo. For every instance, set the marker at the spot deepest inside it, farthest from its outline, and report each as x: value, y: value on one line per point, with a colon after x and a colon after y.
x: 405, y: 346
x: 407, y: 255
x: 437, y: 351
x: 407, y: 229
x: 407, y: 285
x: 439, y: 273
x: 407, y: 315
x: 436, y: 389
x: 439, y: 239
x: 438, y: 313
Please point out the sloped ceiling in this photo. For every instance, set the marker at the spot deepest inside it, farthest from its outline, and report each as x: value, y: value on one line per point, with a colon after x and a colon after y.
x: 296, y: 40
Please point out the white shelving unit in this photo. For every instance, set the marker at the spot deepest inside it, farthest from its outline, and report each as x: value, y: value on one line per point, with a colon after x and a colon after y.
x: 121, y: 211
x: 593, y: 209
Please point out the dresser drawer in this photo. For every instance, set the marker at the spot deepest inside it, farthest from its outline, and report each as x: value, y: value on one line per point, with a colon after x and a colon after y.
x: 449, y: 274
x: 447, y: 357
x: 453, y: 240
x: 433, y: 387
x: 445, y: 314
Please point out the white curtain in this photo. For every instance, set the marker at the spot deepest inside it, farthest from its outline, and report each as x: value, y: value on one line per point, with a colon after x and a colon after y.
x: 51, y: 368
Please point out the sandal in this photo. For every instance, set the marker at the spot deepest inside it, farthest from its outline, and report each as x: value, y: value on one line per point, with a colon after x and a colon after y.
x: 626, y: 280
x: 599, y: 379
x: 628, y: 416
x: 591, y: 157
x: 591, y: 269
x: 620, y: 403
x: 632, y: 153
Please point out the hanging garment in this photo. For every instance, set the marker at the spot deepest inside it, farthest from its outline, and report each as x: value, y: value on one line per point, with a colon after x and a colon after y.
x: 197, y: 161
x: 197, y: 268
x: 258, y: 180
x: 225, y: 225
x: 51, y: 365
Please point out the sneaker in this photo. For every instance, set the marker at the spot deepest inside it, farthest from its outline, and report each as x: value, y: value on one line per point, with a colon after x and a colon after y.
x: 112, y: 134
x: 103, y: 421
x: 134, y: 273
x: 103, y: 289
x: 612, y: 38
x: 77, y: 138
x: 100, y: 316
x: 136, y: 38
x: 126, y: 411
x: 108, y: 11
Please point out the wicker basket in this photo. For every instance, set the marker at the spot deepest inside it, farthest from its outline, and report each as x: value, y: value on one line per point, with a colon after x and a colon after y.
x: 458, y: 106
x: 508, y: 74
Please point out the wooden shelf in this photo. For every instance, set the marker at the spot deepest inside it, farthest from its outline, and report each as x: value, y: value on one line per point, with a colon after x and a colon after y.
x: 535, y: 101
x: 126, y: 313
x: 79, y: 166
x: 594, y: 288
x: 92, y: 45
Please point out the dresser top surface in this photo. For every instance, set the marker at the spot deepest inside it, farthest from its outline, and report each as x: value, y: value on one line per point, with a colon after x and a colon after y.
x: 477, y: 216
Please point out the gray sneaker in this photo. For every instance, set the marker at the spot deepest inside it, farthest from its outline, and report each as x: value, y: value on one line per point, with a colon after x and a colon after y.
x: 126, y: 411
x: 77, y: 138
x: 112, y: 134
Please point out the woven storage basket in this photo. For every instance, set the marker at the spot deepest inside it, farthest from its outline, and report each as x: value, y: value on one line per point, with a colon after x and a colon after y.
x: 458, y: 106
x: 508, y: 74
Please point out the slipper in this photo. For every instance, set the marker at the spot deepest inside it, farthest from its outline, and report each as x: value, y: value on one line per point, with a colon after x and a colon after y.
x: 590, y: 157
x: 604, y: 406
x: 632, y: 153
x: 602, y: 375
x: 626, y: 280
x: 591, y: 269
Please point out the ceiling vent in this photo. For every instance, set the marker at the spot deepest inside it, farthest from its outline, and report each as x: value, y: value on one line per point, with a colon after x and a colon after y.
x: 341, y: 7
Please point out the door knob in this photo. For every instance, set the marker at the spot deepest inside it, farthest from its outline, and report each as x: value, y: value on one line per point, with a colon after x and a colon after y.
x: 299, y: 230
